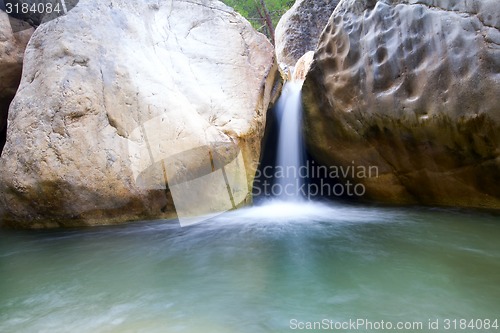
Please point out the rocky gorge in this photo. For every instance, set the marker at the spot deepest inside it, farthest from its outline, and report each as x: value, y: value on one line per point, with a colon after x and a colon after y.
x: 114, y: 88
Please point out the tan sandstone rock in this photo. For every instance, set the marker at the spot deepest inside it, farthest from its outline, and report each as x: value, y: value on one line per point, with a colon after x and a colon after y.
x: 116, y: 94
x: 411, y: 87
x: 302, y: 67
x: 299, y: 29
x: 12, y: 46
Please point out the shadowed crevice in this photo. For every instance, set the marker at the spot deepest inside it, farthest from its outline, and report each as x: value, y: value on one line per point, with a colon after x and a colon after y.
x: 4, y: 110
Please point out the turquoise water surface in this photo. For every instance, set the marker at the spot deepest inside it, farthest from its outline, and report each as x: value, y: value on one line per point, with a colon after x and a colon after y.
x: 261, y: 269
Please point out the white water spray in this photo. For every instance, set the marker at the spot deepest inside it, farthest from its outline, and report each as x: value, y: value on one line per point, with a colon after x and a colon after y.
x: 290, y: 148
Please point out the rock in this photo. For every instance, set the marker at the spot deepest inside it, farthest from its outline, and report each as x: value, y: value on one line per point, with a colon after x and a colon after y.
x: 412, y: 89
x: 118, y: 98
x: 299, y: 29
x: 303, y: 65
x: 12, y: 46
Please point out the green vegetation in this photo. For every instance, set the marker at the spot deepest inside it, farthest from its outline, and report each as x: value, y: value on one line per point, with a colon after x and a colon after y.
x: 263, y: 14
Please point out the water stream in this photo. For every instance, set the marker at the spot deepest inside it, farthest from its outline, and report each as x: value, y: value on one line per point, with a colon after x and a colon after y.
x: 253, y: 270
x: 290, y: 150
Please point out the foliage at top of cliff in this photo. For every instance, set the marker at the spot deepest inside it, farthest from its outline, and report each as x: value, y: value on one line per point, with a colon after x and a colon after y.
x: 262, y: 14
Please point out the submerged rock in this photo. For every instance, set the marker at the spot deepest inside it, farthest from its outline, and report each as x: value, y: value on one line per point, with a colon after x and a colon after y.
x: 114, y: 89
x: 12, y: 46
x: 299, y: 29
x: 411, y: 87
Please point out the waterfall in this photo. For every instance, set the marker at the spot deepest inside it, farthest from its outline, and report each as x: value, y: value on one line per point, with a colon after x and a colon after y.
x: 290, y: 150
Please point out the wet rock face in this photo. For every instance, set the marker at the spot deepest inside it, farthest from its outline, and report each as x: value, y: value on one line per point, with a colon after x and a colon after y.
x: 114, y: 88
x: 411, y: 87
x: 302, y: 66
x: 299, y: 29
x: 12, y: 46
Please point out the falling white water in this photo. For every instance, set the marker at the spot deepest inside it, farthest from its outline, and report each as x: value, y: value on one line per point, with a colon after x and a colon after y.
x: 290, y: 142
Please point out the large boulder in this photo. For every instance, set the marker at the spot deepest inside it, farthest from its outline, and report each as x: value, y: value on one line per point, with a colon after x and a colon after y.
x: 298, y: 30
x: 114, y: 93
x: 12, y: 46
x: 411, y: 88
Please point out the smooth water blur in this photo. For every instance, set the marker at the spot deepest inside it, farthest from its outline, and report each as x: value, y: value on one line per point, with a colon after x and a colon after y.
x: 253, y: 270
x: 290, y: 150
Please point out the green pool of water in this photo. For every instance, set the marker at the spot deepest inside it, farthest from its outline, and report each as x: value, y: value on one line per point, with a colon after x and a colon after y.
x: 263, y: 269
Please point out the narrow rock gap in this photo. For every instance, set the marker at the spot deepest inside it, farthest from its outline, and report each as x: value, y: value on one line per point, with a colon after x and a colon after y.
x: 264, y: 179
x: 267, y: 161
x: 4, y: 110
